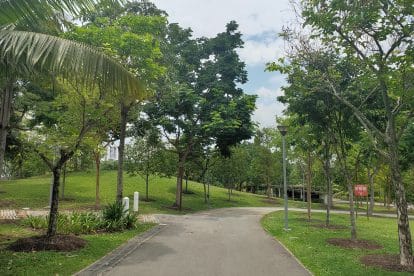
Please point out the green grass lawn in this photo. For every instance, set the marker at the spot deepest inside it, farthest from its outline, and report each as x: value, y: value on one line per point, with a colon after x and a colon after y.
x: 309, y: 244
x: 80, y: 193
x: 56, y: 263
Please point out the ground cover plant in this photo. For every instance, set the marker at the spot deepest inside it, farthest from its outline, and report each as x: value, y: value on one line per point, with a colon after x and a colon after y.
x: 310, y: 244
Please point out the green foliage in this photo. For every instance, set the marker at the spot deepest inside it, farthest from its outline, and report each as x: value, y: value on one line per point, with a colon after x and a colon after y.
x: 116, y: 218
x: 35, y: 222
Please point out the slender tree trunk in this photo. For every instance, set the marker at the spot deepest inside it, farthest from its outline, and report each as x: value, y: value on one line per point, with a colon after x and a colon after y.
x: 146, y: 185
x: 52, y: 227
x: 6, y: 105
x: 179, y: 190
x: 371, y: 176
x: 205, y: 192
x: 120, y: 183
x: 309, y: 186
x: 63, y: 182
x: 352, y: 209
x: 186, y: 183
x: 228, y: 190
x: 404, y: 234
x: 97, y: 180
x: 327, y: 171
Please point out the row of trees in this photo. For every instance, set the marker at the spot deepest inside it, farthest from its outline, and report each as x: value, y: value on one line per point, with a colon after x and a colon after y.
x: 350, y: 85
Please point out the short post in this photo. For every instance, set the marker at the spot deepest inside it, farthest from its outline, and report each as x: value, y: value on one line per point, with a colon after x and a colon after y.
x: 136, y: 201
x: 125, y: 203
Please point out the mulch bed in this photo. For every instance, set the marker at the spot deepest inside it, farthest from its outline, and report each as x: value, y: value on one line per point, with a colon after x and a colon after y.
x: 385, y: 261
x: 348, y: 243
x: 43, y: 243
x: 330, y: 226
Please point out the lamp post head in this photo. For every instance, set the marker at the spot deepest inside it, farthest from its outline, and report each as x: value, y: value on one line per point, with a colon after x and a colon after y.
x: 282, y: 129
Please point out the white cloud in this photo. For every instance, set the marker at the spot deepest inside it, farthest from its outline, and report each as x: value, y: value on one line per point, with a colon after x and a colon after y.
x: 266, y: 113
x: 266, y: 93
x: 207, y: 18
x: 261, y: 52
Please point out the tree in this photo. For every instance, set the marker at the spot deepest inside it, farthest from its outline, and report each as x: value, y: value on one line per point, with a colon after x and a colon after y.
x: 378, y: 36
x: 144, y: 157
x: 58, y: 127
x: 200, y: 102
x: 133, y: 34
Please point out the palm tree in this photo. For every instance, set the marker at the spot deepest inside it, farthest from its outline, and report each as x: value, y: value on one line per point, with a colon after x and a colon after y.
x: 27, y: 52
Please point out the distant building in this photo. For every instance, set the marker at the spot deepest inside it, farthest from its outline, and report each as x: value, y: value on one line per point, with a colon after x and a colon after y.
x: 111, y: 153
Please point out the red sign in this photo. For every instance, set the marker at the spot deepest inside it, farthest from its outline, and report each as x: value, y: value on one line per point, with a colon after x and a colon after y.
x: 361, y: 190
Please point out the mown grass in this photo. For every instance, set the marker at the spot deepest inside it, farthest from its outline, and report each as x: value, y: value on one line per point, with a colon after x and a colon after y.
x: 80, y: 194
x: 57, y: 263
x: 309, y: 244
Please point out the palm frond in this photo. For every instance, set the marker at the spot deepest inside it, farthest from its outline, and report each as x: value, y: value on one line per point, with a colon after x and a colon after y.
x: 12, y: 11
x: 30, y: 52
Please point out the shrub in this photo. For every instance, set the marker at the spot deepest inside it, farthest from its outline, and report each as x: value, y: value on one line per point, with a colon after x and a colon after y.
x: 116, y: 218
x: 35, y: 222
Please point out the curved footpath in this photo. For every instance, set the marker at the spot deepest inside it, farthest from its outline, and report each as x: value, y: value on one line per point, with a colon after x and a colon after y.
x: 217, y: 242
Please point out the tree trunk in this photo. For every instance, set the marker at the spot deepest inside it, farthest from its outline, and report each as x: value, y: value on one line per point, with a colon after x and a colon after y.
x: 327, y: 171
x: 63, y: 182
x: 52, y: 227
x: 186, y: 183
x: 120, y: 183
x: 229, y: 193
x: 179, y: 190
x: 352, y: 210
x: 404, y: 234
x: 6, y: 104
x: 146, y: 185
x: 309, y: 186
x: 205, y: 192
x: 97, y: 180
x: 371, y: 177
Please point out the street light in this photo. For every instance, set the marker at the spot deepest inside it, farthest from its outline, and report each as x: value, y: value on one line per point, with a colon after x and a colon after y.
x: 283, y: 131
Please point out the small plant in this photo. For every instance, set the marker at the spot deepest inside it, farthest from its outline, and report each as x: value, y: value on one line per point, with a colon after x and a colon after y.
x: 35, y: 222
x: 116, y: 218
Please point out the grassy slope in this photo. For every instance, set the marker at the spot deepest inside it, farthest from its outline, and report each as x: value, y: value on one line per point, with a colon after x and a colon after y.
x: 80, y: 191
x: 309, y: 245
x: 57, y: 263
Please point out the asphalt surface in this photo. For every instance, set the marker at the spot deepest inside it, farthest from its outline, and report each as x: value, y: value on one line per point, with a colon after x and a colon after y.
x: 218, y: 242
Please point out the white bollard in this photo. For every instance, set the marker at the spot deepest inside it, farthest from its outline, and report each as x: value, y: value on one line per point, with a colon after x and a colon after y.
x: 136, y: 201
x: 125, y: 203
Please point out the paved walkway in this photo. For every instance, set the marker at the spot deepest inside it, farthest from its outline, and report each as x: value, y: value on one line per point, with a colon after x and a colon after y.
x: 218, y: 242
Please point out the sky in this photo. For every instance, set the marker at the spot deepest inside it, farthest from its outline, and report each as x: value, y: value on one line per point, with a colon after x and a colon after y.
x: 259, y: 21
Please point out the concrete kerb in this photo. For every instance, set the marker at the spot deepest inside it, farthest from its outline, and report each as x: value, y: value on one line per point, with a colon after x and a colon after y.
x: 111, y: 259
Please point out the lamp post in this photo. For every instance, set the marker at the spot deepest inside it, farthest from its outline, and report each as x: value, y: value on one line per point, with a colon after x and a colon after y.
x: 283, y: 131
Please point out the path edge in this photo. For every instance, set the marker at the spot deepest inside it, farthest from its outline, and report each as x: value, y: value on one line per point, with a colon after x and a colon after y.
x: 111, y: 259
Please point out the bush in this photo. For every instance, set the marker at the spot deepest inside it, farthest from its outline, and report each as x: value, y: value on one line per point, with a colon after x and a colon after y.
x: 109, y: 165
x: 114, y: 218
x: 35, y: 222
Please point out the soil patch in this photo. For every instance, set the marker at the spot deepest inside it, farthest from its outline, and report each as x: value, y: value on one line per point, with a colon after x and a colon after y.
x: 348, y: 243
x: 330, y: 226
x: 4, y: 203
x: 385, y: 261
x: 43, y: 243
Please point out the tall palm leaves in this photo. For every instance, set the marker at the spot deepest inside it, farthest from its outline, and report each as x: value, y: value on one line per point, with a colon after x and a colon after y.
x: 28, y: 52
